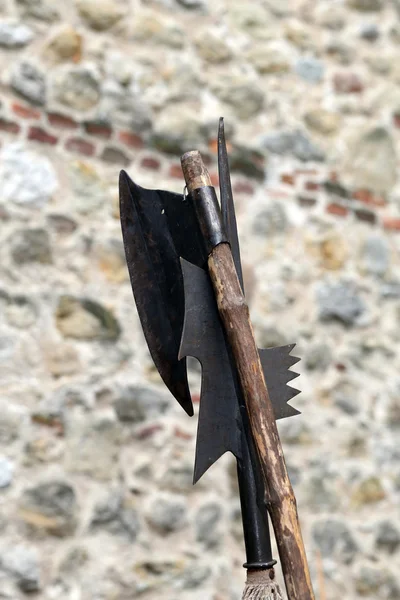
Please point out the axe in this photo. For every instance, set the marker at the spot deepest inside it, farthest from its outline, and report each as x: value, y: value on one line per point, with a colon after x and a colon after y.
x: 183, y: 258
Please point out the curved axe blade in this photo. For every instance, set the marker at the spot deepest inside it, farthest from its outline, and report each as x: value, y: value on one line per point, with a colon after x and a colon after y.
x: 156, y: 278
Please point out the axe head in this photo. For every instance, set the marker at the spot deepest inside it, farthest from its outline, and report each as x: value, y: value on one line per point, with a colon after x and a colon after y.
x: 159, y: 229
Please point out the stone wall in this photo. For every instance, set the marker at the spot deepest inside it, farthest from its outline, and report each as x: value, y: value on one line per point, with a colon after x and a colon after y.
x: 96, y: 458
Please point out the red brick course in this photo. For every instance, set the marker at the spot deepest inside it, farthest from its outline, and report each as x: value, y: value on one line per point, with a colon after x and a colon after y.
x: 61, y: 121
x: 80, y: 146
x: 9, y: 126
x: 337, y: 209
x: 38, y: 134
x: 25, y: 112
x: 130, y: 139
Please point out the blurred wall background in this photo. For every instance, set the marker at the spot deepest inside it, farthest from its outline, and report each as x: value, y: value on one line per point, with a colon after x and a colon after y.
x: 96, y: 458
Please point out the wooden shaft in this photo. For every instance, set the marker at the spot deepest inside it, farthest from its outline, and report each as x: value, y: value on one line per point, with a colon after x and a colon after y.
x: 235, y: 317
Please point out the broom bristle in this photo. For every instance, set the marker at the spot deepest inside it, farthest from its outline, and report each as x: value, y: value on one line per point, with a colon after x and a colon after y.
x: 260, y: 585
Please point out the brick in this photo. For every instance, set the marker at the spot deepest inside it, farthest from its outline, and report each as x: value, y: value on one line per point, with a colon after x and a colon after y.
x: 287, y: 178
x: 80, y: 146
x: 9, y: 126
x: 333, y: 186
x: 25, y: 112
x: 175, y: 171
x: 347, y: 83
x: 130, y: 139
x: 311, y: 186
x: 98, y: 129
x: 38, y: 134
x: 396, y: 120
x: 148, y: 431
x: 214, y: 179
x: 181, y: 434
x: 243, y: 187
x: 367, y: 216
x: 337, y: 209
x: 61, y: 121
x: 114, y: 156
x: 306, y: 202
x: 391, y: 223
x: 368, y: 197
x: 149, y: 162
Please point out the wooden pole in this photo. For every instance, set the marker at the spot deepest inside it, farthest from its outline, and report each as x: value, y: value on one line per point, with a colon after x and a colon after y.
x: 234, y: 313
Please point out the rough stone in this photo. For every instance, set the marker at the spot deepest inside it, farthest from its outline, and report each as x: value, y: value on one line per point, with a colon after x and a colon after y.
x: 335, y: 540
x: 245, y: 96
x: 248, y: 160
x: 25, y: 178
x: 90, y: 191
x: 155, y: 29
x: 271, y: 220
x: 345, y: 396
x: 100, y: 15
x: 167, y: 513
x: 309, y: 69
x: 178, y: 477
x: 30, y: 82
x: 85, y: 319
x: 295, y: 432
x: 116, y: 515
x: 371, y: 581
x: 76, y: 87
x: 31, y: 245
x: 366, y: 5
x: 371, y: 162
x: 269, y: 59
x: 387, y: 537
x: 6, y: 472
x: 323, y: 121
x: 368, y: 491
x: 111, y: 260
x: 50, y: 507
x: 123, y: 105
x: 19, y: 311
x: 340, y: 301
x: 178, y: 129
x: 207, y: 522
x: 43, y: 10
x: 65, y: 44
x: 270, y: 336
x: 369, y: 32
x: 14, y: 34
x: 293, y: 142
x: 318, y: 357
x: 375, y: 255
x: 22, y: 562
x: 62, y: 359
x: 135, y: 404
x: 93, y: 445
x: 212, y: 48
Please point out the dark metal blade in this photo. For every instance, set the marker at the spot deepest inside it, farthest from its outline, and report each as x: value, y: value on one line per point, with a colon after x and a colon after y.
x: 276, y: 363
x: 220, y: 422
x: 227, y: 206
x: 156, y: 278
x: 219, y: 428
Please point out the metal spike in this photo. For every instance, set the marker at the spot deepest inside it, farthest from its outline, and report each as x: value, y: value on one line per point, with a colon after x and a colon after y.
x: 276, y: 363
x: 227, y: 206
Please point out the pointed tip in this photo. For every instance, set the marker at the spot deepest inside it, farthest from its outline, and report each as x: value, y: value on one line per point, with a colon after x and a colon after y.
x: 293, y: 391
x: 290, y: 375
